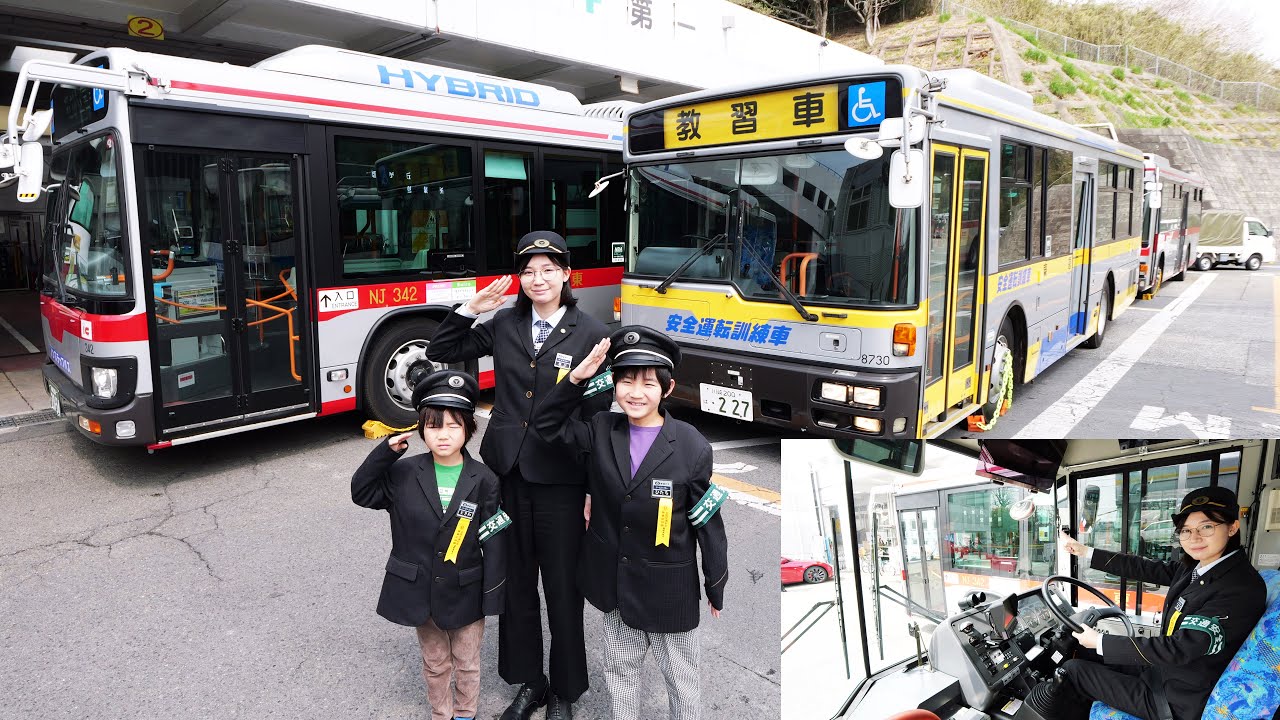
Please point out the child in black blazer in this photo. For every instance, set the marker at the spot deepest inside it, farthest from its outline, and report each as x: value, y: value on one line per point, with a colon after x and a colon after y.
x: 651, y: 509
x: 447, y: 569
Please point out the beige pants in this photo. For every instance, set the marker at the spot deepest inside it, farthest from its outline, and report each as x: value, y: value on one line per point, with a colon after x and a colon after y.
x: 451, y: 657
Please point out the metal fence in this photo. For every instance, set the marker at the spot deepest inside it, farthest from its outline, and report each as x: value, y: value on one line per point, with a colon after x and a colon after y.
x: 1258, y: 94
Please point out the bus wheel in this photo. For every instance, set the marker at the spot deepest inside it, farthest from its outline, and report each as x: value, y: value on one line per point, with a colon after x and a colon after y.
x: 1006, y: 366
x: 1204, y: 264
x: 1104, y: 309
x: 1253, y: 263
x: 396, y: 361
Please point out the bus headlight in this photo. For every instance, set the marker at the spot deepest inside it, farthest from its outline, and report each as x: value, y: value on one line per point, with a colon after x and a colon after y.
x: 104, y: 382
x: 866, y: 424
x: 867, y: 395
x: 835, y: 392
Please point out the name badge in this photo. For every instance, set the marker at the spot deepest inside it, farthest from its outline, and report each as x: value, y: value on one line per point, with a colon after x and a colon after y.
x: 467, y: 509
x: 1177, y: 606
x: 662, y: 488
x: 564, y: 362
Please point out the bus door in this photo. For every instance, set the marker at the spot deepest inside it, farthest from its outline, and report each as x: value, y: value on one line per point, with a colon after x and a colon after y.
x: 222, y: 234
x: 1081, y: 247
x: 957, y: 246
x: 922, y: 558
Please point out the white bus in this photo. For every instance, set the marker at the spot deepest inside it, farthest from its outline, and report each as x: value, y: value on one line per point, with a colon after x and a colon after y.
x: 235, y: 247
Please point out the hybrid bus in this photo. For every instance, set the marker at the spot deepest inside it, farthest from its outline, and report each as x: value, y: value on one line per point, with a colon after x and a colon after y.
x: 1170, y: 223
x: 976, y: 524
x: 235, y: 247
x: 877, y: 253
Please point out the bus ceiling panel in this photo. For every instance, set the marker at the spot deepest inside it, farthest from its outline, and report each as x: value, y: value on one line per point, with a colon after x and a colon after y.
x: 187, y: 128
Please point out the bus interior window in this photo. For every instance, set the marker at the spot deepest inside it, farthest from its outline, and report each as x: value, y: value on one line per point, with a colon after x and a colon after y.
x: 508, y: 210
x: 577, y: 218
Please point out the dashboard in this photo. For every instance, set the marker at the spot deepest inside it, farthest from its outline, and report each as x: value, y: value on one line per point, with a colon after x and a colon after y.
x: 997, y: 649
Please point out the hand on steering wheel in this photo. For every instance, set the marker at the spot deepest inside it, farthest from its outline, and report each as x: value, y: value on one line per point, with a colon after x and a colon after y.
x: 1088, y: 617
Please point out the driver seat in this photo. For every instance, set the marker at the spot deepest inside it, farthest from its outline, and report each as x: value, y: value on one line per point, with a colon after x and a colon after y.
x: 1249, y: 689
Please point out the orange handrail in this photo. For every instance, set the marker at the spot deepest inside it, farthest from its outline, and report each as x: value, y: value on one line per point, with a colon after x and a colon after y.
x: 804, y: 259
x: 168, y: 270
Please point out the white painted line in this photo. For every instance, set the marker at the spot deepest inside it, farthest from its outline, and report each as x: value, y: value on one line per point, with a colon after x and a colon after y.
x: 18, y: 336
x: 751, y: 442
x: 1153, y: 419
x: 732, y: 468
x: 1060, y: 418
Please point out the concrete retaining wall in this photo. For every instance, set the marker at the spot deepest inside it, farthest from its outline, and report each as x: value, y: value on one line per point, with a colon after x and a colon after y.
x: 1239, y: 178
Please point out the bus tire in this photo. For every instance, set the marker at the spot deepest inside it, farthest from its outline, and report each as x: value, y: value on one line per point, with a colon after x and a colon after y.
x: 1253, y: 263
x: 397, y: 357
x: 1159, y: 280
x: 1203, y: 263
x: 1095, y: 342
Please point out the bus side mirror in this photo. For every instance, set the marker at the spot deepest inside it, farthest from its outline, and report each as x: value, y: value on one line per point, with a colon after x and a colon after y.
x: 906, y: 178
x: 30, y: 168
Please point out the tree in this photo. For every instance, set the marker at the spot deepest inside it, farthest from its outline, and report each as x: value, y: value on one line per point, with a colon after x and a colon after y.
x: 868, y: 12
x: 808, y: 14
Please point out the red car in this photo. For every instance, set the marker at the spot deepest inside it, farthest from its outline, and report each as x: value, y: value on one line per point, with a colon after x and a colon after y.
x: 804, y: 571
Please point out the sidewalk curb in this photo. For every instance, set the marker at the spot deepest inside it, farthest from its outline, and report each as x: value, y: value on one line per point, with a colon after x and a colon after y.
x: 56, y: 426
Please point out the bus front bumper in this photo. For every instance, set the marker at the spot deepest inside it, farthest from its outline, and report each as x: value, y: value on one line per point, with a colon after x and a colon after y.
x: 790, y: 395
x: 73, y: 403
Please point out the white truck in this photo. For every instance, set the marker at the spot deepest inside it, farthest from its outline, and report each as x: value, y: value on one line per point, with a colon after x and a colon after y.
x: 1228, y: 237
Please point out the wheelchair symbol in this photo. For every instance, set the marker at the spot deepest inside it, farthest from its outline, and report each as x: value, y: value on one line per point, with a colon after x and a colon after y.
x: 864, y: 103
x: 99, y: 98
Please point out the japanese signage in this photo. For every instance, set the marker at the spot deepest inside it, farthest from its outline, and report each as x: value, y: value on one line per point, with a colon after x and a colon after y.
x: 799, y: 112
x: 718, y: 329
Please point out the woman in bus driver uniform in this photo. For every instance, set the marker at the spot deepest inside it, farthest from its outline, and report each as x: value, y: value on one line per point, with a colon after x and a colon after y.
x: 1215, y: 598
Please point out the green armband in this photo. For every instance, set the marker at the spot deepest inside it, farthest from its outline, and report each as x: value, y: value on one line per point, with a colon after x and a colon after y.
x: 494, y: 525
x: 708, y: 506
x: 599, y: 383
x: 1207, y: 625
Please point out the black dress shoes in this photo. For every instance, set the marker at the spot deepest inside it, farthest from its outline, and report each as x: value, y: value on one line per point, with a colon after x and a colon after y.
x: 532, y: 696
x: 558, y: 709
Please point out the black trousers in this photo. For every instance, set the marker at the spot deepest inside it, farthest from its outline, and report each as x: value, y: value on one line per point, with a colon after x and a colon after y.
x: 546, y: 533
x: 1120, y: 686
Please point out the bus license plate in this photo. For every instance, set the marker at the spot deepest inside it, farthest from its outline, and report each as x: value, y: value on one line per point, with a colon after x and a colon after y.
x: 728, y: 402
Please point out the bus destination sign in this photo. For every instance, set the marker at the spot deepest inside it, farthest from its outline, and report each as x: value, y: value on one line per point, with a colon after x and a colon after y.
x: 800, y: 112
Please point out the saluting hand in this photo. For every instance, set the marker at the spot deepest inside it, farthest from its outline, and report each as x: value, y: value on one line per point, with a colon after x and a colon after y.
x: 591, y: 363
x: 490, y: 298
x: 400, y: 442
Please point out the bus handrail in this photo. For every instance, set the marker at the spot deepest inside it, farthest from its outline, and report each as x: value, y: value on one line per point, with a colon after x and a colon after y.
x: 804, y: 258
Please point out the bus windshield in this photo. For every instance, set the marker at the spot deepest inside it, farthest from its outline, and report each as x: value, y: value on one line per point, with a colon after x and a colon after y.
x: 87, y: 249
x: 820, y: 223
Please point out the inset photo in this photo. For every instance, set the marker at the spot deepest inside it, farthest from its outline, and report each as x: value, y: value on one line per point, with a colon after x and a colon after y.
x: 1030, y: 579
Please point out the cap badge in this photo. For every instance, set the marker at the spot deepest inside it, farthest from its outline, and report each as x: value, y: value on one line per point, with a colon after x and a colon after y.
x: 1200, y: 500
x: 542, y: 242
x: 631, y: 338
x: 455, y: 381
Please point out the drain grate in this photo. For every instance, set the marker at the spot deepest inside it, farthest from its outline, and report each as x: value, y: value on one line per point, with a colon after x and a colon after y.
x: 31, y: 418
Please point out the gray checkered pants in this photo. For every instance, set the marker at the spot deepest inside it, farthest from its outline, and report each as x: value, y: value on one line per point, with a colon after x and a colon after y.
x: 677, y: 654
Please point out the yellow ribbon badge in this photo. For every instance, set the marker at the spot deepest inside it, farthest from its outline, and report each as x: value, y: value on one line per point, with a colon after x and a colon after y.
x: 466, y: 511
x: 662, y: 492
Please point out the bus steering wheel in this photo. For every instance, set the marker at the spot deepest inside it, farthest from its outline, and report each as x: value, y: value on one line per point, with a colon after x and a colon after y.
x: 1087, y: 617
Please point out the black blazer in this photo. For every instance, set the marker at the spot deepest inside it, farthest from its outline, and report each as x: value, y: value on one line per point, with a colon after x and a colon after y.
x: 419, y: 584
x: 522, y: 378
x: 654, y: 587
x: 1232, y: 595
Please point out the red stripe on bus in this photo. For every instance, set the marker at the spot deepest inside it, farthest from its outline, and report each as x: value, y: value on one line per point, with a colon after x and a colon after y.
x: 266, y: 95
x: 389, y: 295
x: 91, y: 327
x: 333, y: 407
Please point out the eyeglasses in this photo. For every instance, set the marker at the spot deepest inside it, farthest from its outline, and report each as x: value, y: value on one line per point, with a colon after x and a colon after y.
x: 545, y: 274
x: 1206, y: 530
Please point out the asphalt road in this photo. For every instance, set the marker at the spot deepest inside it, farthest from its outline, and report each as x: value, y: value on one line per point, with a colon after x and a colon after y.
x: 235, y: 578
x: 1198, y: 360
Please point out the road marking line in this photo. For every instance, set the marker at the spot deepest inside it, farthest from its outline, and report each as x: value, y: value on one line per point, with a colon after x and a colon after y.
x: 1153, y: 419
x: 752, y: 496
x: 1060, y: 418
x: 1275, y: 325
x: 32, y: 349
x: 749, y: 442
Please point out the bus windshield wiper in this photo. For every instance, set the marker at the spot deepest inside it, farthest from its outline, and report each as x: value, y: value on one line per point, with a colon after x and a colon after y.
x: 791, y: 298
x: 699, y: 252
